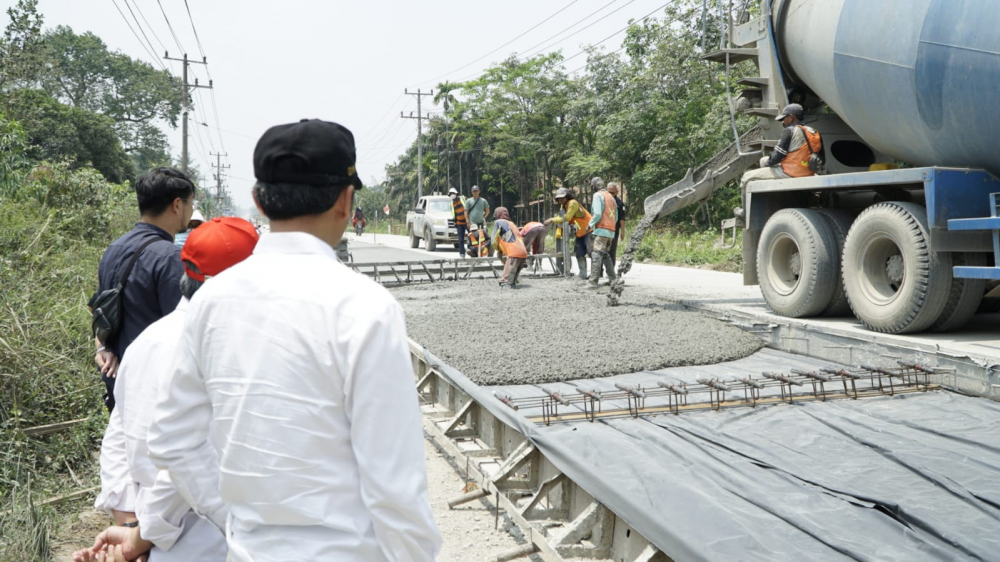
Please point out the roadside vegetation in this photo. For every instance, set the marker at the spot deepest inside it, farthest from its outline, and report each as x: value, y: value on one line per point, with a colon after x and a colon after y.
x: 78, y: 123
x: 641, y: 112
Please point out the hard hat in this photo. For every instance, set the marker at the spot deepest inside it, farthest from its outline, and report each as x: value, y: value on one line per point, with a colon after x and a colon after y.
x: 197, y: 216
x: 475, y: 188
x: 474, y: 228
x: 453, y: 191
x: 561, y: 193
x: 791, y: 109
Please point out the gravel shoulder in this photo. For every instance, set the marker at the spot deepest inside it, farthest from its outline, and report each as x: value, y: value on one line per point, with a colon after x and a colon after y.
x: 552, y: 330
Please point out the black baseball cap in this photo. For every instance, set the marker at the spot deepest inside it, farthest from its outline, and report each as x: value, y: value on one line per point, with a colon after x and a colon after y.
x: 310, y: 152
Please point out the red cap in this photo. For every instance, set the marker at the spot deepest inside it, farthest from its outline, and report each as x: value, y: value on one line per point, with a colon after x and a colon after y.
x: 218, y: 245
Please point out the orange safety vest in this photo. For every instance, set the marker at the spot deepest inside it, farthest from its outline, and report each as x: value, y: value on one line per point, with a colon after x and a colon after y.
x: 796, y: 164
x: 582, y: 222
x: 511, y: 243
x: 610, y: 209
x: 477, y: 239
x: 458, y: 209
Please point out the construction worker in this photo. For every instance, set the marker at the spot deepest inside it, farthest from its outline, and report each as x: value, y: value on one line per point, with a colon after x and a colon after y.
x: 506, y: 240
x: 478, y: 209
x: 574, y: 214
x: 197, y: 219
x: 613, y: 188
x: 534, y: 234
x: 793, y: 157
x: 461, y: 218
x: 604, y: 221
x: 478, y: 245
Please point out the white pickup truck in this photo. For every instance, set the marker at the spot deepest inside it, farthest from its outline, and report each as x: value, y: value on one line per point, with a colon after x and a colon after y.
x: 432, y: 220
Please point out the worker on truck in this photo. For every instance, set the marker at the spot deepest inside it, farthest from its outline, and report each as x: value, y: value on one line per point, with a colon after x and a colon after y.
x: 798, y: 154
x: 506, y: 241
x: 574, y: 214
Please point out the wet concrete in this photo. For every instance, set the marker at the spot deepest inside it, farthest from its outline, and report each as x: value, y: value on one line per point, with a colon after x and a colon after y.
x: 553, y: 330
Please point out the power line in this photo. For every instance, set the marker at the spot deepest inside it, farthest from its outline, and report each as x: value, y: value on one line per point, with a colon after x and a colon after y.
x: 644, y: 18
x: 170, y: 27
x: 585, y: 18
x: 143, y: 16
x: 582, y: 29
x: 193, y: 28
x: 561, y: 10
x: 381, y: 119
x: 144, y: 47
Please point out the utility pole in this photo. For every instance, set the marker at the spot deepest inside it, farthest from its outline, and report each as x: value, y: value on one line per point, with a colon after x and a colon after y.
x: 420, y: 136
x: 219, y: 168
x: 186, y: 102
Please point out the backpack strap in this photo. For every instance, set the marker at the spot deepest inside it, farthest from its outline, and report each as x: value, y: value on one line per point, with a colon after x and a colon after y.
x: 131, y: 263
x: 806, y: 135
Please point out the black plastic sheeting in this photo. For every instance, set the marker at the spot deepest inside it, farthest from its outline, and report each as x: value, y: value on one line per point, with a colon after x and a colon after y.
x: 909, y: 477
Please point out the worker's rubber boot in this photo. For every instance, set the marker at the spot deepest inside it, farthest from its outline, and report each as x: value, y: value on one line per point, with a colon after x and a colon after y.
x: 609, y: 268
x: 595, y: 269
x: 582, y: 264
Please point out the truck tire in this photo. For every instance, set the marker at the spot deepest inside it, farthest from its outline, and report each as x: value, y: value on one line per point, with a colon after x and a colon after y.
x: 796, y: 263
x: 414, y: 241
x: 895, y: 283
x: 839, y: 222
x: 964, y: 296
x: 429, y: 240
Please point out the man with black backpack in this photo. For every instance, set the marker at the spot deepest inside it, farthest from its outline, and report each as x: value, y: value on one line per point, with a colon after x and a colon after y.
x: 140, y: 272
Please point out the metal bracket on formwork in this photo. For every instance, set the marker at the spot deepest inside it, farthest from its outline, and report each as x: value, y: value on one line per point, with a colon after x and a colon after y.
x: 633, y: 394
x: 595, y: 524
x: 460, y: 417
x: 550, y: 408
x: 543, y: 491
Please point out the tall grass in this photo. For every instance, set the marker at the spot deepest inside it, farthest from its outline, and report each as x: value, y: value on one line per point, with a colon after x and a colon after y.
x: 673, y: 246
x: 54, y: 227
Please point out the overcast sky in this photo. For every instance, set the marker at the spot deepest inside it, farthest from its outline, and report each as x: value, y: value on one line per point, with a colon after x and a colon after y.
x: 345, y: 61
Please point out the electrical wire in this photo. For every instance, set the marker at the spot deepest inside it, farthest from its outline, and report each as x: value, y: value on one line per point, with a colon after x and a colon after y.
x: 585, y: 18
x: 171, y: 28
x: 644, y: 18
x: 561, y: 10
x: 392, y: 106
x: 581, y: 30
x: 144, y: 45
x: 193, y: 28
x: 151, y: 30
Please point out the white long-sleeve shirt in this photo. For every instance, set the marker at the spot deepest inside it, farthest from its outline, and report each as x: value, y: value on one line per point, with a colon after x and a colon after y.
x: 303, y: 371
x: 129, y: 480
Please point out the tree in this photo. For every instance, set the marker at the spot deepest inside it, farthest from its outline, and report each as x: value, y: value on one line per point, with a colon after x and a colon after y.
x: 21, y: 48
x: 61, y: 133
x: 81, y: 72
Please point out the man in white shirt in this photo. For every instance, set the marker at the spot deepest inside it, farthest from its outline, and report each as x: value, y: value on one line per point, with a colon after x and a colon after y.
x: 301, y: 369
x: 132, y: 488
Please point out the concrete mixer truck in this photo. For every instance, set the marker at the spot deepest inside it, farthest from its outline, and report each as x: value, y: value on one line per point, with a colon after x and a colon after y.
x: 903, y: 230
